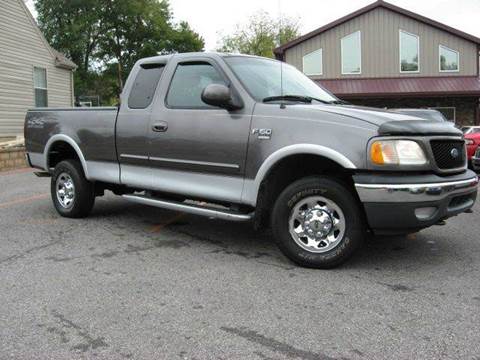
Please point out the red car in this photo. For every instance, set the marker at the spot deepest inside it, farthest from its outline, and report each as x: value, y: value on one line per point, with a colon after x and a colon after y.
x: 472, y: 139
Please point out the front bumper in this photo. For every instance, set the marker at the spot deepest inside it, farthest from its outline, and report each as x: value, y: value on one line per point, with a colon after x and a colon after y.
x: 403, y: 203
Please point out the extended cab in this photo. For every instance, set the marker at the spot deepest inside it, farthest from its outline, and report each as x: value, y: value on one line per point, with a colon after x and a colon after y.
x: 256, y: 140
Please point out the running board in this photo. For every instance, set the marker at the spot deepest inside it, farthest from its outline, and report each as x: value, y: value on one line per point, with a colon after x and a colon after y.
x: 42, y: 174
x: 189, y: 208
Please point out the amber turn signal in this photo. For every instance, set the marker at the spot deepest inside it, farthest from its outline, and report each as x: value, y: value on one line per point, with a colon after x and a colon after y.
x: 376, y: 153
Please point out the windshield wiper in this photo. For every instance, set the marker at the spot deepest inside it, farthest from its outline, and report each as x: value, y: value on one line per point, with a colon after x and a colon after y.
x: 339, y: 102
x: 300, y: 98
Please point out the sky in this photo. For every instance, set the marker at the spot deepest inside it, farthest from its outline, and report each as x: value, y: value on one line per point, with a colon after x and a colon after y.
x: 212, y: 18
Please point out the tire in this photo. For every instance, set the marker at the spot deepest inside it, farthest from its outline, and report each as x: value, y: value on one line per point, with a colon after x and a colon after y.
x: 327, y: 209
x: 81, y: 194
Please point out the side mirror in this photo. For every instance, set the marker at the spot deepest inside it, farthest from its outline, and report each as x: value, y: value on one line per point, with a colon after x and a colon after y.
x: 220, y: 96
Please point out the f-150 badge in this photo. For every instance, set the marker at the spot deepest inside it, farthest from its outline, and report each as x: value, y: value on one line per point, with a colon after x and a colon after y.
x: 263, y: 134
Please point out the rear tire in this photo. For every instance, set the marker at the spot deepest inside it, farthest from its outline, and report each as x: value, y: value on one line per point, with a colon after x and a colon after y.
x: 317, y: 222
x: 72, y: 194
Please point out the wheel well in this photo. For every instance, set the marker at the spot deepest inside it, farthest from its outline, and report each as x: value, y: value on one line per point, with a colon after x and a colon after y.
x: 59, y: 151
x: 290, y: 169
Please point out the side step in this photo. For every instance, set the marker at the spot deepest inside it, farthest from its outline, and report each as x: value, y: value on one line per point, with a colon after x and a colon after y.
x: 42, y: 174
x: 190, y: 208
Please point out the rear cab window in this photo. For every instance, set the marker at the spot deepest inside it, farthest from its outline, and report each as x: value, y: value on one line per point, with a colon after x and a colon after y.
x: 143, y: 89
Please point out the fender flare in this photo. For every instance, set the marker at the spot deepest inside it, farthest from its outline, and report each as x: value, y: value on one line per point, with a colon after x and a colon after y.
x: 72, y: 143
x: 252, y: 186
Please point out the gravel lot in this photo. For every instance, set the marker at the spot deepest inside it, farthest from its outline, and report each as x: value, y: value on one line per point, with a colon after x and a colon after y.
x: 137, y: 282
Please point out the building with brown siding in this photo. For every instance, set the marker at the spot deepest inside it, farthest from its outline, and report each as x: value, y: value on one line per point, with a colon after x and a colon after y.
x: 385, y: 56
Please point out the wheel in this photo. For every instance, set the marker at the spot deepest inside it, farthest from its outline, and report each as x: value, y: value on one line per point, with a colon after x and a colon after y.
x: 72, y: 194
x: 317, y: 223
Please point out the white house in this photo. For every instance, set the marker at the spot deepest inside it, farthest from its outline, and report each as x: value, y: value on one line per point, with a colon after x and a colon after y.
x: 32, y: 74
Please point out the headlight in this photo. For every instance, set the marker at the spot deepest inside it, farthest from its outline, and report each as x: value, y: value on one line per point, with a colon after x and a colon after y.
x: 397, y: 152
x: 469, y: 142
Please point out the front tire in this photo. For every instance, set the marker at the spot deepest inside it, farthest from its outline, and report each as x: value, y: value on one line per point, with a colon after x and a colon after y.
x: 317, y: 223
x: 72, y: 194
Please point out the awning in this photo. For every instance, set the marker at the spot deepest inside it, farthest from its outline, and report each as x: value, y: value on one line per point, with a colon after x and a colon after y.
x: 411, y: 86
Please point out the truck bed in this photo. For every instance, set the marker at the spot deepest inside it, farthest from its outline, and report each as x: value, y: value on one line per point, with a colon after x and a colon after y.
x: 91, y: 129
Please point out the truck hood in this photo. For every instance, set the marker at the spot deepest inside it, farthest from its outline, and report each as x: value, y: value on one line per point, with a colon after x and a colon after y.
x: 390, y: 123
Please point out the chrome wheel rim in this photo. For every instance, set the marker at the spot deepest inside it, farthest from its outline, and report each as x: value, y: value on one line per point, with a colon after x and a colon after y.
x: 65, y: 190
x: 317, y: 224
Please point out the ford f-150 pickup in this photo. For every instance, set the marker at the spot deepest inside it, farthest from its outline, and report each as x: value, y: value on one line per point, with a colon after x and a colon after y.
x: 245, y: 138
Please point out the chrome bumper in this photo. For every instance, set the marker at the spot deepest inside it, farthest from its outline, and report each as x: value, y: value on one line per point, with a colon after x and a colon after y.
x: 406, y: 193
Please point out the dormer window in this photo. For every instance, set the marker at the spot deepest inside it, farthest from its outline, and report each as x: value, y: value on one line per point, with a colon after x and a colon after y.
x: 409, y: 52
x: 313, y: 63
x: 448, y: 59
x: 351, y: 47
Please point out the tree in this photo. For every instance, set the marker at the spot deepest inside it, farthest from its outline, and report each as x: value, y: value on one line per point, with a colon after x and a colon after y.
x: 106, y: 37
x: 135, y: 29
x: 72, y: 27
x: 260, y: 35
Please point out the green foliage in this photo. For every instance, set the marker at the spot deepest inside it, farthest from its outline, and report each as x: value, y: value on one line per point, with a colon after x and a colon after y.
x: 260, y: 35
x: 106, y: 37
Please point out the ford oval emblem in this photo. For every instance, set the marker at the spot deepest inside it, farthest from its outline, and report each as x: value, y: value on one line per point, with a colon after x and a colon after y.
x: 454, y: 153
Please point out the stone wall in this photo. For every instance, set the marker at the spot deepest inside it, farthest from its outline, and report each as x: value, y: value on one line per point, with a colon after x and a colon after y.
x: 13, y: 158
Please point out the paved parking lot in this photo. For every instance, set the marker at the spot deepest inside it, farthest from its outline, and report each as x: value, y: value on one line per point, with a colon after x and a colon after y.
x: 137, y: 282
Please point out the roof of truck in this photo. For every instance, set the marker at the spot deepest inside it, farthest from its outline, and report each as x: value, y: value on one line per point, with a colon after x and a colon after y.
x: 165, y: 58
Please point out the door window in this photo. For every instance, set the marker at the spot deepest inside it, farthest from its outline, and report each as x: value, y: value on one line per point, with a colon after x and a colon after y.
x: 188, y: 83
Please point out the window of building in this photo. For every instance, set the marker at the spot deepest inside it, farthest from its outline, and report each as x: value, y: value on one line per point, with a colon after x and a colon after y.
x: 144, y: 87
x: 313, y: 63
x: 448, y: 112
x: 351, y: 48
x: 409, y: 52
x: 449, y: 59
x: 188, y: 83
x: 40, y: 87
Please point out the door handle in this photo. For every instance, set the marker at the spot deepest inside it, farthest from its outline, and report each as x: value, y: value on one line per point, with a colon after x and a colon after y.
x: 160, y: 126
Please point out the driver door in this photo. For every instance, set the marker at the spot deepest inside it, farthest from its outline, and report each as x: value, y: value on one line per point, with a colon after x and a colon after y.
x: 196, y: 149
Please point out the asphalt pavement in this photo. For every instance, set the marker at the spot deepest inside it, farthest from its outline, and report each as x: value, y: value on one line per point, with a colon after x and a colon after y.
x: 136, y: 282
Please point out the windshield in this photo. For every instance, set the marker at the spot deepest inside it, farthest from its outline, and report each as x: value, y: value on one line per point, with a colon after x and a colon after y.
x: 262, y: 78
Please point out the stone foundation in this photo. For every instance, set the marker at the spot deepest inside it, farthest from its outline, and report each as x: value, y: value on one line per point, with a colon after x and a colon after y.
x: 11, y: 159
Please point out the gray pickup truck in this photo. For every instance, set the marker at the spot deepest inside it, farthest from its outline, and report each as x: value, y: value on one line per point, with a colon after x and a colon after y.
x: 257, y: 141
